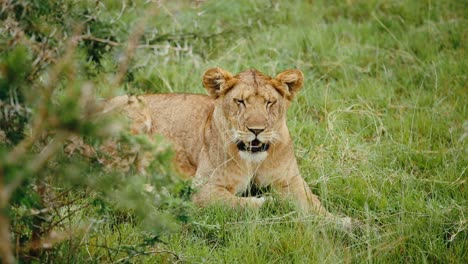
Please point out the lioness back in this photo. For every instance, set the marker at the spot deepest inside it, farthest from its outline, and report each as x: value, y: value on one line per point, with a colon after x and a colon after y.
x: 181, y: 118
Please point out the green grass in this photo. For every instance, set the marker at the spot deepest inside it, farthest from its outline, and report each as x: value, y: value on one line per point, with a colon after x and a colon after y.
x: 380, y: 129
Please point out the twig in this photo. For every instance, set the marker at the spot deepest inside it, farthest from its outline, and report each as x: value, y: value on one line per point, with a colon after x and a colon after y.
x: 137, y: 253
x: 62, y: 219
x: 140, y: 46
x: 37, y: 163
x: 90, y: 37
x: 150, y: 252
x: 6, y: 252
x: 131, y: 46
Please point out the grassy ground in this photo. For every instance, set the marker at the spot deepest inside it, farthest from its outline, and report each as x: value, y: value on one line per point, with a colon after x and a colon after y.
x: 380, y: 129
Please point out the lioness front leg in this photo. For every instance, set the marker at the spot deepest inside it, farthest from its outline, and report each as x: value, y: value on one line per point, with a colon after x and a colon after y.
x: 296, y: 188
x: 212, y: 194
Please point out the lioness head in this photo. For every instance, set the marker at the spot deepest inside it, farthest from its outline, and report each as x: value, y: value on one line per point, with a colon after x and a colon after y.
x: 253, y: 106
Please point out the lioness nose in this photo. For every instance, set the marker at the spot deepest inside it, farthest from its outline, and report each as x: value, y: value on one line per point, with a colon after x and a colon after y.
x: 256, y: 131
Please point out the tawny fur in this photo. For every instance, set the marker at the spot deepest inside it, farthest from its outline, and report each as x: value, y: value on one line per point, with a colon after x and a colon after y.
x: 204, y: 131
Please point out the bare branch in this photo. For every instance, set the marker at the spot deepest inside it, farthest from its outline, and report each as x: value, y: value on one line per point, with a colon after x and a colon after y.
x: 6, y: 252
x: 106, y: 41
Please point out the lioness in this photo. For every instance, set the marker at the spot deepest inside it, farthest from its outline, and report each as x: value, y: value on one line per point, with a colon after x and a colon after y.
x: 232, y: 137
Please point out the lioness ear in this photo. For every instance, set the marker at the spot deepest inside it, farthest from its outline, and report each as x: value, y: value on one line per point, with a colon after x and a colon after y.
x: 216, y: 81
x: 292, y: 80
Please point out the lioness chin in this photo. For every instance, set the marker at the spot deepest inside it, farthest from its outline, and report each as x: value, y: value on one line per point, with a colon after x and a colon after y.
x: 234, y: 136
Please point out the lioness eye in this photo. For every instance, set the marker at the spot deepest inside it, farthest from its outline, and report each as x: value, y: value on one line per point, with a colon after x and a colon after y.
x: 239, y: 101
x: 270, y: 103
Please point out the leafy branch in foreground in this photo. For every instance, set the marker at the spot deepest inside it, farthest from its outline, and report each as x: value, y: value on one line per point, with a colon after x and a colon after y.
x: 48, y: 100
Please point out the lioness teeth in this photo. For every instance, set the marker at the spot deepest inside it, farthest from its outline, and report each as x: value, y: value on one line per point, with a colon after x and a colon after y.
x: 253, y: 146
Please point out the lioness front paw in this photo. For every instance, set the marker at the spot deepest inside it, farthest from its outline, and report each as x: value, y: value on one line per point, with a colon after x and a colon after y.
x: 346, y: 223
x: 257, y: 202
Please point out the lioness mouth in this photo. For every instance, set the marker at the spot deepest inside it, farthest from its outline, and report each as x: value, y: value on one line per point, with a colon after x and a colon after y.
x: 253, y: 146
